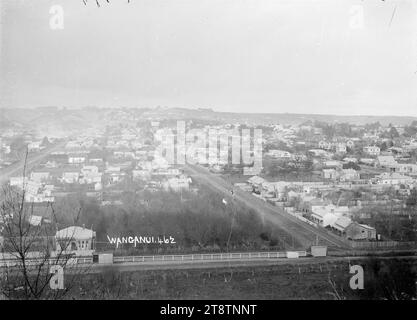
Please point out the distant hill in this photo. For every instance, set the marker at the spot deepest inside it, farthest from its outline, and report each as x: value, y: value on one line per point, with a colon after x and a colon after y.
x: 48, y: 118
x: 83, y: 117
x: 282, y: 118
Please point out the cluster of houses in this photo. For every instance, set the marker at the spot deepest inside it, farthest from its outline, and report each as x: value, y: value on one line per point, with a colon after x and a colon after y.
x: 337, y: 219
x: 99, y: 161
x: 98, y: 164
x: 368, y: 161
x: 319, y: 211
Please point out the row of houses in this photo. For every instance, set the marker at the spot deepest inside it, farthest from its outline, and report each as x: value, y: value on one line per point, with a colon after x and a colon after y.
x: 321, y: 212
x: 336, y: 218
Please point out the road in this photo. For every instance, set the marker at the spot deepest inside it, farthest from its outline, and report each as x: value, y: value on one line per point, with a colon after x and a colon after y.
x: 304, y: 234
x: 33, y: 160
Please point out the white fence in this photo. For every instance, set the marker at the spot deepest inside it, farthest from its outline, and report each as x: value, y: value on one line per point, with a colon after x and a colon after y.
x: 207, y: 257
x: 383, y: 244
x: 159, y: 258
x: 35, y: 262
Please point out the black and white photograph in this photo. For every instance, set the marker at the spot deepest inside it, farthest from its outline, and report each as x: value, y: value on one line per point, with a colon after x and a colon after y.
x: 191, y: 151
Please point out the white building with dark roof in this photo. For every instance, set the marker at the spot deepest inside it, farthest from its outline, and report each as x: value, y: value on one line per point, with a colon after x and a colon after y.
x: 74, y: 239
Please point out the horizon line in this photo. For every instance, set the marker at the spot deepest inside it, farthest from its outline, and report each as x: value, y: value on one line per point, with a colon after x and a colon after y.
x: 210, y: 110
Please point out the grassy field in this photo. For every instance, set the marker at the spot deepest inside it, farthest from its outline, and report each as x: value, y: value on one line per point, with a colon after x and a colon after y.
x: 392, y: 279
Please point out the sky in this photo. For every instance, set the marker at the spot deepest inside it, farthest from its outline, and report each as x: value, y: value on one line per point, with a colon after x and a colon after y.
x: 339, y: 57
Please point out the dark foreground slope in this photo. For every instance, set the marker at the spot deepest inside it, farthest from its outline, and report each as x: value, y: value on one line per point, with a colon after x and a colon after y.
x: 383, y: 279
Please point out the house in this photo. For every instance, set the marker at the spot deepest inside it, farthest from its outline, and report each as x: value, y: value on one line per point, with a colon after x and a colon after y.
x: 349, y: 175
x: 333, y: 164
x: 141, y: 174
x: 177, y: 184
x: 341, y: 224
x: 51, y: 164
x: 386, y: 161
x: 115, y: 177
x: 323, y: 215
x: 341, y: 148
x: 268, y: 190
x: 70, y: 176
x: 356, y: 231
x: 73, y: 145
x: 160, y: 162
x: 112, y: 169
x: 331, y: 174
x: 35, y: 220
x: 326, y: 215
x: 76, y: 159
x: 318, y: 251
x: 388, y: 152
x: 372, y: 150
x: 35, y: 146
x: 18, y: 181
x: 243, y: 186
x: 408, y: 168
x: 350, y: 144
x: 348, y: 160
x: 393, y: 178
x: 38, y: 198
x: 279, y: 154
x: 95, y: 160
x: 76, y: 240
x: 124, y: 154
x: 307, y: 203
x: 39, y: 176
x: 35, y: 192
x: 256, y: 183
x: 326, y: 145
x: 90, y: 174
x: 89, y: 170
x: 30, y: 187
x: 166, y: 172
x: 319, y: 153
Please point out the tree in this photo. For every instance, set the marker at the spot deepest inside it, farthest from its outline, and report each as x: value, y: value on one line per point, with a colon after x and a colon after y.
x: 393, y: 133
x: 351, y: 165
x: 272, y: 169
x: 410, y: 131
x: 27, y: 249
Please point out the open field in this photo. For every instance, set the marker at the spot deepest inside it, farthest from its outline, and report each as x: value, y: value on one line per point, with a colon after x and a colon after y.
x: 318, y: 280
